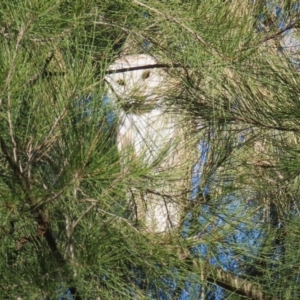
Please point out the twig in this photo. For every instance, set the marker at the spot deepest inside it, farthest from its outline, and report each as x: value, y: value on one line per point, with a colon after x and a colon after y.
x: 46, y: 143
x: 118, y: 217
x: 9, y: 102
x: 144, y: 67
x: 83, y: 214
x: 95, y: 203
x: 278, y: 33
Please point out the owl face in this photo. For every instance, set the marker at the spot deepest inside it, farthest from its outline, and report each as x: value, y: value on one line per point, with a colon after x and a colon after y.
x: 136, y: 89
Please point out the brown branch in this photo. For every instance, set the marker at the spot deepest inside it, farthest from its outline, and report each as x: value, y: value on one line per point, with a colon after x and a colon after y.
x: 278, y: 33
x: 144, y: 67
x: 237, y: 285
x: 228, y: 281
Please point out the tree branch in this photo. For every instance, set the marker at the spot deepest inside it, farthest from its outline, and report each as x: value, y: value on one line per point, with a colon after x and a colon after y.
x: 228, y: 281
x: 144, y: 67
x: 278, y: 33
x: 237, y: 285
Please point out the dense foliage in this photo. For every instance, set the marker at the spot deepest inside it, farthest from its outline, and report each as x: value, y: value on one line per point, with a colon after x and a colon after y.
x: 64, y: 225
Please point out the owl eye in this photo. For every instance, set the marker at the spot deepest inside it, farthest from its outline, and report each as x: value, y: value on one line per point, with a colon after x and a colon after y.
x: 146, y: 74
x: 121, y: 82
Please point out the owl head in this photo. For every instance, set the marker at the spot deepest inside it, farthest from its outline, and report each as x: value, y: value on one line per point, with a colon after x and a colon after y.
x: 141, y: 87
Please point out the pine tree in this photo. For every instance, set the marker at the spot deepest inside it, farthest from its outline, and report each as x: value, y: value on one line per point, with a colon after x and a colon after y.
x: 65, y: 225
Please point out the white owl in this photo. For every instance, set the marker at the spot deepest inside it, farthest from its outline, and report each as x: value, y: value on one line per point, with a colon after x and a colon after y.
x: 150, y: 134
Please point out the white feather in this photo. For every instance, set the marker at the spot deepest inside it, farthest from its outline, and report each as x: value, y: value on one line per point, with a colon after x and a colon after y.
x: 149, y: 129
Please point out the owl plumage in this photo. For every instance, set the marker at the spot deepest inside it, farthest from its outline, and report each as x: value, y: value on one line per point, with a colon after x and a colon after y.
x: 150, y: 135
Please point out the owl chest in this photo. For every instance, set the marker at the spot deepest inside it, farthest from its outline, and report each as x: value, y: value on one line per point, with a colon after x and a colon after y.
x: 147, y: 135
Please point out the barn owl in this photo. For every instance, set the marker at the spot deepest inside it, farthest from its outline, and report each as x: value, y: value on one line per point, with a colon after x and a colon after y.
x: 150, y: 135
